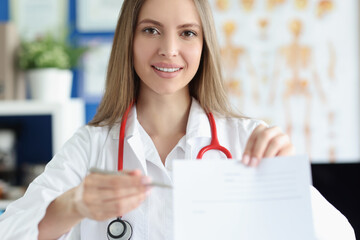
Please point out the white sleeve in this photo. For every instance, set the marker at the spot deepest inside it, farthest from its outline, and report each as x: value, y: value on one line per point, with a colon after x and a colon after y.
x: 65, y: 171
x: 329, y: 223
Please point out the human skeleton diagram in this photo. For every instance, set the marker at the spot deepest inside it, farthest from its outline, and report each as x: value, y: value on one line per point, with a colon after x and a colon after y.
x: 297, y: 61
x: 247, y: 5
x: 256, y: 72
x: 271, y: 4
x: 323, y: 7
x: 222, y: 5
x: 233, y: 58
x: 301, y: 4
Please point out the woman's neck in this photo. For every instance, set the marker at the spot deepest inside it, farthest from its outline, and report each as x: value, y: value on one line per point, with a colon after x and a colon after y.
x: 164, y: 115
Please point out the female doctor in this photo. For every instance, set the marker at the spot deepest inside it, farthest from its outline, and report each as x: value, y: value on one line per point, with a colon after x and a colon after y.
x: 165, y: 70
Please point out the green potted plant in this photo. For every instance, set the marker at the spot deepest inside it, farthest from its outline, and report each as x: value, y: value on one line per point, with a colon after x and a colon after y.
x: 47, y: 63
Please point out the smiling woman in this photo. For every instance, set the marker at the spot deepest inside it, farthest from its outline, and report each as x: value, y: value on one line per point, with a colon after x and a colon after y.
x: 123, y: 84
x: 167, y: 47
x: 168, y: 41
x: 163, y: 83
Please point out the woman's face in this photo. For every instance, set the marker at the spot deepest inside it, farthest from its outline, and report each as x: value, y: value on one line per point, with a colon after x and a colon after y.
x: 168, y: 42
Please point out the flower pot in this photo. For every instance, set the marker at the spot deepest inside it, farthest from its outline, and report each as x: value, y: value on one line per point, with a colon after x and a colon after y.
x: 49, y: 84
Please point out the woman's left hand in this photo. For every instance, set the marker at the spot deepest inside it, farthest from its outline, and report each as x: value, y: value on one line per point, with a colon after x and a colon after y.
x: 266, y: 142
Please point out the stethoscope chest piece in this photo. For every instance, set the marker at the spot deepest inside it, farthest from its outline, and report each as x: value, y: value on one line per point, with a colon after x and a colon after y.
x: 119, y: 230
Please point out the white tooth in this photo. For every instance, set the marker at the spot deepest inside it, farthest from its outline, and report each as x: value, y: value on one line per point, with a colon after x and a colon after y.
x: 167, y: 69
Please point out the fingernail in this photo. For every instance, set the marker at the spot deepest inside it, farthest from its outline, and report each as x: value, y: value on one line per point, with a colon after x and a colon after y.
x: 254, y: 161
x: 246, y: 159
x: 146, y: 180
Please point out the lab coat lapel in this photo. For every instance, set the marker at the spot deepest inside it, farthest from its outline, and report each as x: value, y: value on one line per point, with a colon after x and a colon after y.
x: 198, y: 132
x: 198, y: 135
x: 133, y: 149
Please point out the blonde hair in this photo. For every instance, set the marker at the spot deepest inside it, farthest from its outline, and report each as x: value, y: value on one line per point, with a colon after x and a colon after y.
x: 122, y: 83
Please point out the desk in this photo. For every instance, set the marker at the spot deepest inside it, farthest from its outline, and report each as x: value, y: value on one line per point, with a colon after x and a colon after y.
x: 339, y: 183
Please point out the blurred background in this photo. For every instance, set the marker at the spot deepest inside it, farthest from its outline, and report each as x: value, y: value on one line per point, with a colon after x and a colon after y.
x: 292, y: 63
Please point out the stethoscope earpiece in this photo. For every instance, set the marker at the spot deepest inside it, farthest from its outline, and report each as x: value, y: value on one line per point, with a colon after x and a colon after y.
x: 119, y: 230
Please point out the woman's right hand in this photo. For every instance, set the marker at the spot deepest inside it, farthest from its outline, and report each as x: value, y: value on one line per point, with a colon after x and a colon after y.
x: 102, y: 196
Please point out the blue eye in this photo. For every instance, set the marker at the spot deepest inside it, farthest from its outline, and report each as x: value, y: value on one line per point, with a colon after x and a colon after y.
x: 189, y: 34
x: 151, y: 31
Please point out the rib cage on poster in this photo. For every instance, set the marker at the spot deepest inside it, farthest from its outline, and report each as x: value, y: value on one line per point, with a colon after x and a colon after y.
x: 295, y: 64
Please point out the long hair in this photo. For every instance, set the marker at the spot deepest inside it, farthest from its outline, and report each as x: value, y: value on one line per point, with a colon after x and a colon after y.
x: 122, y: 82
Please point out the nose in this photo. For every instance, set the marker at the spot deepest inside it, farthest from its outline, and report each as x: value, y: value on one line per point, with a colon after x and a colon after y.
x: 169, y: 47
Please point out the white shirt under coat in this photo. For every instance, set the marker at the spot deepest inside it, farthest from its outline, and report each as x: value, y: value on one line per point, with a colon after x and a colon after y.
x: 98, y: 147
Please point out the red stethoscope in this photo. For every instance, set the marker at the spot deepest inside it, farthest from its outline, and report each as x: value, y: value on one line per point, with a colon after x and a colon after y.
x: 121, y: 229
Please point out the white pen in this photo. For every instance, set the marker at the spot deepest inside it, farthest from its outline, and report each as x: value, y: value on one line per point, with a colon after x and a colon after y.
x: 106, y: 172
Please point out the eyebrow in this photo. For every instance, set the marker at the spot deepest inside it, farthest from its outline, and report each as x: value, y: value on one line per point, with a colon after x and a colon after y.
x: 156, y: 23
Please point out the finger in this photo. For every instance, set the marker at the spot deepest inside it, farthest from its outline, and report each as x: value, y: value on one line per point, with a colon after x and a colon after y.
x: 102, y: 187
x: 135, y: 172
x: 127, y: 192
x: 101, y: 212
x: 98, y: 195
x: 250, y: 144
x: 99, y: 188
x: 276, y: 145
x: 262, y: 141
x: 102, y: 172
x: 116, y: 181
x: 286, y: 151
x: 88, y: 208
x: 119, y: 208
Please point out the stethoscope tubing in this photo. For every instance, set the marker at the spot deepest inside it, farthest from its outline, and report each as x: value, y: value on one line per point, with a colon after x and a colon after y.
x: 127, y: 225
x: 214, y: 144
x: 122, y: 137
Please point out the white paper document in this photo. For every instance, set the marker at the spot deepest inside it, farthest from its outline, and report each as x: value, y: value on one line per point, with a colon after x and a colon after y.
x: 224, y: 199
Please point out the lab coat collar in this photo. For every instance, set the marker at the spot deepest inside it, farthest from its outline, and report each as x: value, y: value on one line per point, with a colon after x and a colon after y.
x: 131, y: 128
x: 197, y: 126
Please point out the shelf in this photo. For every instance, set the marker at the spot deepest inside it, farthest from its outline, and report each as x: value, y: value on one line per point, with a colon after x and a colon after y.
x: 32, y: 107
x: 66, y: 116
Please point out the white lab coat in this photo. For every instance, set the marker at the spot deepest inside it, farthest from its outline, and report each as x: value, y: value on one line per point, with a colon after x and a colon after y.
x: 98, y: 147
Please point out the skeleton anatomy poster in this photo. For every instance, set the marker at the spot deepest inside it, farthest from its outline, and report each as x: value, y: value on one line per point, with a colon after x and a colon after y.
x: 295, y: 64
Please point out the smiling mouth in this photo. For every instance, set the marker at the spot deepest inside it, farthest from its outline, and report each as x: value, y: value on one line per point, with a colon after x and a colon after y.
x: 167, y: 70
